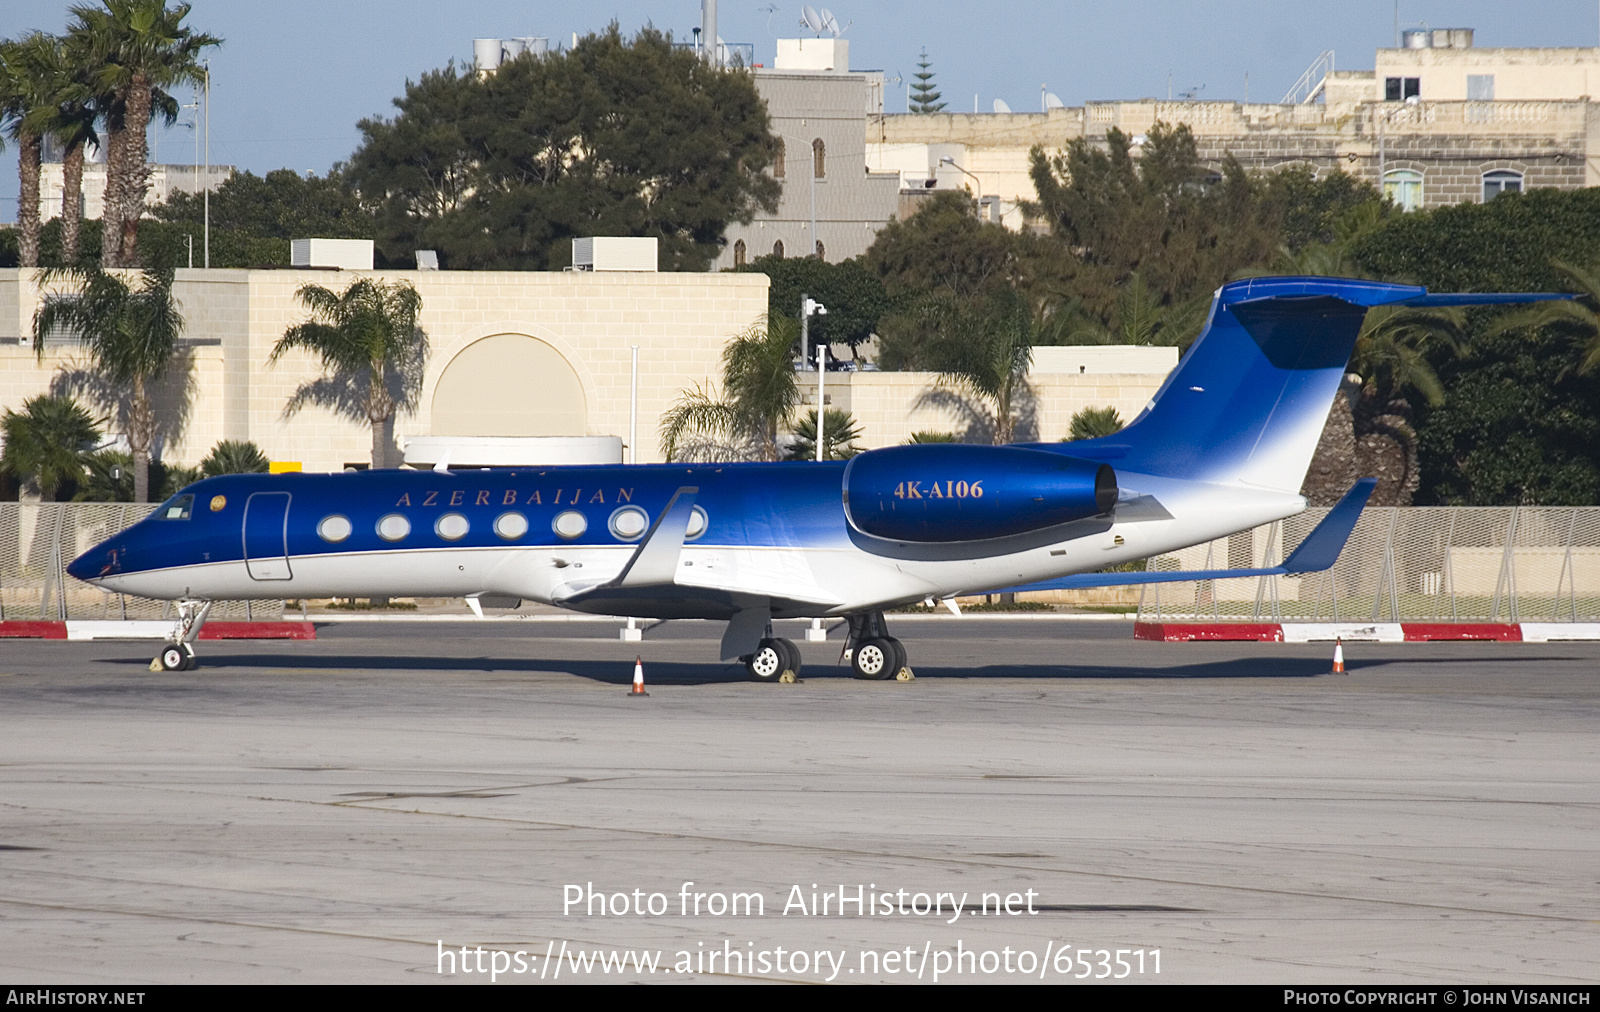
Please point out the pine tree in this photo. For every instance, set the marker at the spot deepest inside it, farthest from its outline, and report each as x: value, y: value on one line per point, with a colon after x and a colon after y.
x: 924, y: 95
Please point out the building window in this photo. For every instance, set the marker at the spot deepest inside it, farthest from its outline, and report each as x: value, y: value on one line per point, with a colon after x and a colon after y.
x: 1480, y: 87
x: 819, y: 159
x: 822, y: 254
x: 777, y: 249
x: 1404, y: 187
x: 777, y: 165
x: 738, y: 253
x: 1501, y: 181
x: 1398, y: 89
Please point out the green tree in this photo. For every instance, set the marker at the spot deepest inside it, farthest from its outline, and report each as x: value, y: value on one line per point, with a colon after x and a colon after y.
x: 253, y: 218
x: 47, y: 443
x: 623, y: 137
x: 1093, y: 423
x: 139, y: 49
x: 757, y: 398
x: 986, y: 355
x: 852, y: 292
x: 925, y: 97
x: 234, y: 456
x: 110, y: 478
x: 371, y: 348
x: 33, y: 75
x: 839, y: 436
x: 130, y: 327
x: 1185, y: 228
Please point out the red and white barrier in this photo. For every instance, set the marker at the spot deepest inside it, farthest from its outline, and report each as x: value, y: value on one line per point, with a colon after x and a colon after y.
x: 1368, y: 632
x: 89, y: 629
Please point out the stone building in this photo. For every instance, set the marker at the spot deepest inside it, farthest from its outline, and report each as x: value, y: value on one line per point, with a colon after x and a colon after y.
x: 817, y: 105
x: 1436, y: 122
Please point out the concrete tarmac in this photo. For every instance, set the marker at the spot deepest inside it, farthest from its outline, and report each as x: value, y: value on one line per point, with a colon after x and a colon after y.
x: 350, y: 809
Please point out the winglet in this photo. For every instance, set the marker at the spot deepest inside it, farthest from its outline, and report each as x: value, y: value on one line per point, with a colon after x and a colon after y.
x: 1322, y: 546
x: 656, y: 561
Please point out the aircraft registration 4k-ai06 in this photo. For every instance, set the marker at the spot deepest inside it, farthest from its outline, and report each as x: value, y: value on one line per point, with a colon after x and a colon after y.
x: 1223, y: 447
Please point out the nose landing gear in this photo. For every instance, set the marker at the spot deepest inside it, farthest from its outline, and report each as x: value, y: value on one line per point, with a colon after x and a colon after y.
x: 775, y: 660
x: 179, y: 654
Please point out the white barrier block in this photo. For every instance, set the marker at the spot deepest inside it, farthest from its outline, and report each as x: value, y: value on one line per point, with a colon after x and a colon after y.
x: 1545, y: 632
x: 1368, y: 632
x: 85, y: 629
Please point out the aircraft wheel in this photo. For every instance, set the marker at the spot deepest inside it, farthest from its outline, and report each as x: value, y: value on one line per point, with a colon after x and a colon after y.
x: 900, y: 664
x: 767, y: 664
x: 875, y: 659
x: 173, y: 658
x: 191, y: 662
x: 792, y: 659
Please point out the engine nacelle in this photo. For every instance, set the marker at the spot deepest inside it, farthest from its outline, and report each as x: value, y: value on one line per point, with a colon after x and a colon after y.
x: 946, y: 492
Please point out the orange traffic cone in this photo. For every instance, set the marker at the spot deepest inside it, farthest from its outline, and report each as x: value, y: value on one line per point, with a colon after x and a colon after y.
x: 1338, y: 656
x: 638, y: 678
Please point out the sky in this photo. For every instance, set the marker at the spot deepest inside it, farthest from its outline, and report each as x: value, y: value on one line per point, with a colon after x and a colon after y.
x: 294, y: 77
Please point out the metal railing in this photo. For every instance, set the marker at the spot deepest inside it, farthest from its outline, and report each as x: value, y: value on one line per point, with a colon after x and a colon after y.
x: 38, y: 540
x: 1442, y: 564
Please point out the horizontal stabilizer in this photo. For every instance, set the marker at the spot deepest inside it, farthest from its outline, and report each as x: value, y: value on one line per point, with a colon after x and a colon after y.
x: 1316, y: 553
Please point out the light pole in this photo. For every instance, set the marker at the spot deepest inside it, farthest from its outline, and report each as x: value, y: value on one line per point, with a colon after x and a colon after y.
x: 208, y: 166
x: 947, y: 160
x: 822, y: 400
x: 808, y: 306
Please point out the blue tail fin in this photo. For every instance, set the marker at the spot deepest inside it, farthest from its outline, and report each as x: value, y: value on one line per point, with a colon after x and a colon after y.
x: 1248, y: 402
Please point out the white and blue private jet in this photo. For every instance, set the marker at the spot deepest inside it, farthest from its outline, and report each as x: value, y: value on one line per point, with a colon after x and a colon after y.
x: 1223, y: 447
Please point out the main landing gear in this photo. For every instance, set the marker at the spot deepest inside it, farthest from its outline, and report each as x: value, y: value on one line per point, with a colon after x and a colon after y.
x: 179, y: 655
x: 873, y: 653
x: 775, y: 660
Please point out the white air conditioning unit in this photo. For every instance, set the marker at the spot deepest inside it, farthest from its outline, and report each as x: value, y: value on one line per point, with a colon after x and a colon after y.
x: 346, y: 254
x: 614, y: 253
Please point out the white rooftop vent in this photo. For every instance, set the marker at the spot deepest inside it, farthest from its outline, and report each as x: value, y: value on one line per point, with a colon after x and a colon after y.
x: 615, y: 253
x: 346, y: 254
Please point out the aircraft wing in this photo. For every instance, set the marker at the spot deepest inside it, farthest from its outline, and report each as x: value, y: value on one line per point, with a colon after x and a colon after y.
x: 1316, y: 553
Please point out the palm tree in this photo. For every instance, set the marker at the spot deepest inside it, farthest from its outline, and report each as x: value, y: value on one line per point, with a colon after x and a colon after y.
x: 233, y: 456
x: 1575, y: 320
x: 368, y: 337
x: 130, y: 327
x: 1094, y: 423
x: 70, y: 120
x: 31, y: 69
x: 759, y: 393
x: 838, y: 437
x: 988, y: 357
x: 139, y: 48
x: 47, y: 443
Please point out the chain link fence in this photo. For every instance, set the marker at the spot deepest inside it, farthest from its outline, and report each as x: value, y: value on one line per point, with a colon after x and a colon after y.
x: 39, y: 540
x: 1441, y: 564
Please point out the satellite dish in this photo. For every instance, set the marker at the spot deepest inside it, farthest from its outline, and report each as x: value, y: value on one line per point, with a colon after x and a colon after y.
x: 829, y: 23
x: 1052, y: 102
x: 1000, y: 106
x: 809, y: 18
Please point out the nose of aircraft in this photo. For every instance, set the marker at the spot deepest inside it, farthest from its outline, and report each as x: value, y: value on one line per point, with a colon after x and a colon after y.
x: 104, y: 559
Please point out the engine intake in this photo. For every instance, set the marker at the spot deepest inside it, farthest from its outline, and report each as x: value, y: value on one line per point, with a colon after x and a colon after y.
x: 947, y: 492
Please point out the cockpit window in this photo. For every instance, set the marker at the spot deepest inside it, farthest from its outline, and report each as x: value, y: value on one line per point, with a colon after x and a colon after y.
x: 177, y: 508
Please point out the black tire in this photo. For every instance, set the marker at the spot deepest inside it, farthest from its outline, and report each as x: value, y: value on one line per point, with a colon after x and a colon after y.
x: 875, y: 659
x: 899, y: 655
x: 191, y: 662
x: 768, y: 662
x: 172, y: 658
x: 794, y: 660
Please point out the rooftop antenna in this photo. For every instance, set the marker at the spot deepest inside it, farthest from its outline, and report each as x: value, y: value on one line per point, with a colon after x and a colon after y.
x: 830, y: 24
x: 809, y: 18
x: 771, y: 9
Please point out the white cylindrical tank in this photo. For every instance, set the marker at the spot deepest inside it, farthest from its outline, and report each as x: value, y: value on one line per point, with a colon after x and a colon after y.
x: 486, y: 53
